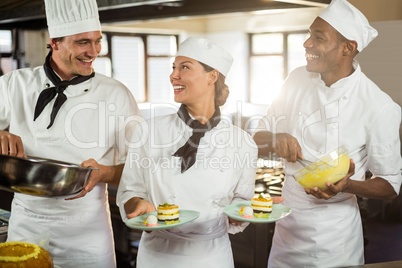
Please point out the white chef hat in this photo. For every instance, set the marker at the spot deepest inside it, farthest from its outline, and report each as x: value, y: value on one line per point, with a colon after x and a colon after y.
x: 69, y: 17
x: 205, y: 51
x: 349, y: 22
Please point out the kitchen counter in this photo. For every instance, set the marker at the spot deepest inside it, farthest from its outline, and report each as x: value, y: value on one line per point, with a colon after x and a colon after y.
x: 4, y: 216
x: 392, y: 264
x: 3, y: 237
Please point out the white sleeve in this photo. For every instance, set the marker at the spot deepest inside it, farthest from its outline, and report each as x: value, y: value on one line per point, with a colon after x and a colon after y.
x: 384, y: 147
x: 128, y: 117
x: 244, y: 189
x: 133, y: 179
x: 4, y: 102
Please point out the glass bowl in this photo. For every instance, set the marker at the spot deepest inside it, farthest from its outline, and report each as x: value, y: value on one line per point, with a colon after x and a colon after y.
x: 331, y: 168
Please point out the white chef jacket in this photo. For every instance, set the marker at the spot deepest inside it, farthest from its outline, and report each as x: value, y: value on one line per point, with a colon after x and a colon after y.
x: 90, y: 124
x: 352, y: 112
x: 224, y: 173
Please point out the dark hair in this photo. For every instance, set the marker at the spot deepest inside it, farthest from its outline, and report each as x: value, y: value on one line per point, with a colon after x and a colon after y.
x: 57, y: 39
x: 221, y: 89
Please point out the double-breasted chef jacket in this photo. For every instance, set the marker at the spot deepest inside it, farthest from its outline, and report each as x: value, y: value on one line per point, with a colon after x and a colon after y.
x: 352, y: 112
x: 93, y: 123
x: 223, y: 174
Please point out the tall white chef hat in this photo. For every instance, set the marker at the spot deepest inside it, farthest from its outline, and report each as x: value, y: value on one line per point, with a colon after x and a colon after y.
x: 69, y: 17
x: 205, y: 51
x: 349, y: 22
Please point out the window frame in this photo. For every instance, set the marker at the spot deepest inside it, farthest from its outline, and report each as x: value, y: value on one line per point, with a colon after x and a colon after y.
x: 15, y: 54
x: 284, y: 54
x: 110, y: 34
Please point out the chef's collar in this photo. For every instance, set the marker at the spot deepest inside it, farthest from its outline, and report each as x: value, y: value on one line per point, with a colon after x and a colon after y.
x: 343, y: 81
x: 74, y: 90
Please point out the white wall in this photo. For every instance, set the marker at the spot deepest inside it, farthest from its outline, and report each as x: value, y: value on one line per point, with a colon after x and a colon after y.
x: 381, y: 61
x: 35, y: 47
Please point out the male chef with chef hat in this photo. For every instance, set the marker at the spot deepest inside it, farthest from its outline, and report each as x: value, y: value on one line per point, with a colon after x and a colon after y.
x: 323, y: 105
x: 63, y: 110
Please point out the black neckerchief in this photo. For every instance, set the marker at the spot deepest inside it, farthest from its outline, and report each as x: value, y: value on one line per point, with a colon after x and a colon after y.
x: 49, y: 93
x: 188, y: 151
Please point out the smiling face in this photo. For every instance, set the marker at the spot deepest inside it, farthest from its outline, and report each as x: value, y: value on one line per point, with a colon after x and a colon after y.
x: 75, y: 54
x: 192, y: 85
x: 324, y: 50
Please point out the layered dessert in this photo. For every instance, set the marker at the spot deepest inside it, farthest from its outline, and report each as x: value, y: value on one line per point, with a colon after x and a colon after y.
x: 168, y: 212
x: 262, y: 206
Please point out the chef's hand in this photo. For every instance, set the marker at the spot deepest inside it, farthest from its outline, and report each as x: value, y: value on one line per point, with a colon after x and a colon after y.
x: 11, y: 144
x: 277, y: 199
x: 287, y: 146
x: 235, y: 222
x: 99, y: 172
x: 137, y: 206
x: 332, y: 189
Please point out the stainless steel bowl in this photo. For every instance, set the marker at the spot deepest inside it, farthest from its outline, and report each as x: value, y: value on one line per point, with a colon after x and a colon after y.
x: 41, y: 177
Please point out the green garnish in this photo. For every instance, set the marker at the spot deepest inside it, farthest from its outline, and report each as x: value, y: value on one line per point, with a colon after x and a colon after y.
x: 171, y: 222
x: 261, y: 215
x: 166, y: 205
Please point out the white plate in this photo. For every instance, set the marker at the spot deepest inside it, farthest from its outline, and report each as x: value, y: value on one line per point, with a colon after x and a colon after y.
x: 186, y: 216
x: 279, y: 211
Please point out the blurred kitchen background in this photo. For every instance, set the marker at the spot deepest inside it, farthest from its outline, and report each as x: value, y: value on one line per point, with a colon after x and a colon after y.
x: 266, y: 39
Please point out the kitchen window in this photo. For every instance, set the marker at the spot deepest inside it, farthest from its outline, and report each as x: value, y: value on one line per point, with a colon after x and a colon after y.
x: 7, y: 63
x: 272, y: 57
x: 142, y: 62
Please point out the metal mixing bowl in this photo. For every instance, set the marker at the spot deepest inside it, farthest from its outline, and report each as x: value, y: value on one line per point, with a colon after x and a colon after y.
x: 41, y: 177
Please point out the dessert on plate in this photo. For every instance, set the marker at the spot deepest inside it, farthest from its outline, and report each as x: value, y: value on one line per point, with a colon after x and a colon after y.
x: 262, y: 206
x: 168, y: 212
x: 247, y: 212
x: 151, y: 221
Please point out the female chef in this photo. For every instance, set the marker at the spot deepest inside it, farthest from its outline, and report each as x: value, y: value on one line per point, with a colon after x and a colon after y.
x: 193, y: 159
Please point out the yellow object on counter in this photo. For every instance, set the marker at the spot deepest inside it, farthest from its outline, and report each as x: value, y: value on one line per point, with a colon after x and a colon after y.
x: 331, y: 168
x: 16, y: 254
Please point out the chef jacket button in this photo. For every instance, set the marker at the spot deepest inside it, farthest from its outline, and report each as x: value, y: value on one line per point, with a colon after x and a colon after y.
x: 334, y: 127
x: 47, y: 85
x: 300, y: 113
x: 112, y: 107
x: 345, y: 97
x: 85, y: 90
